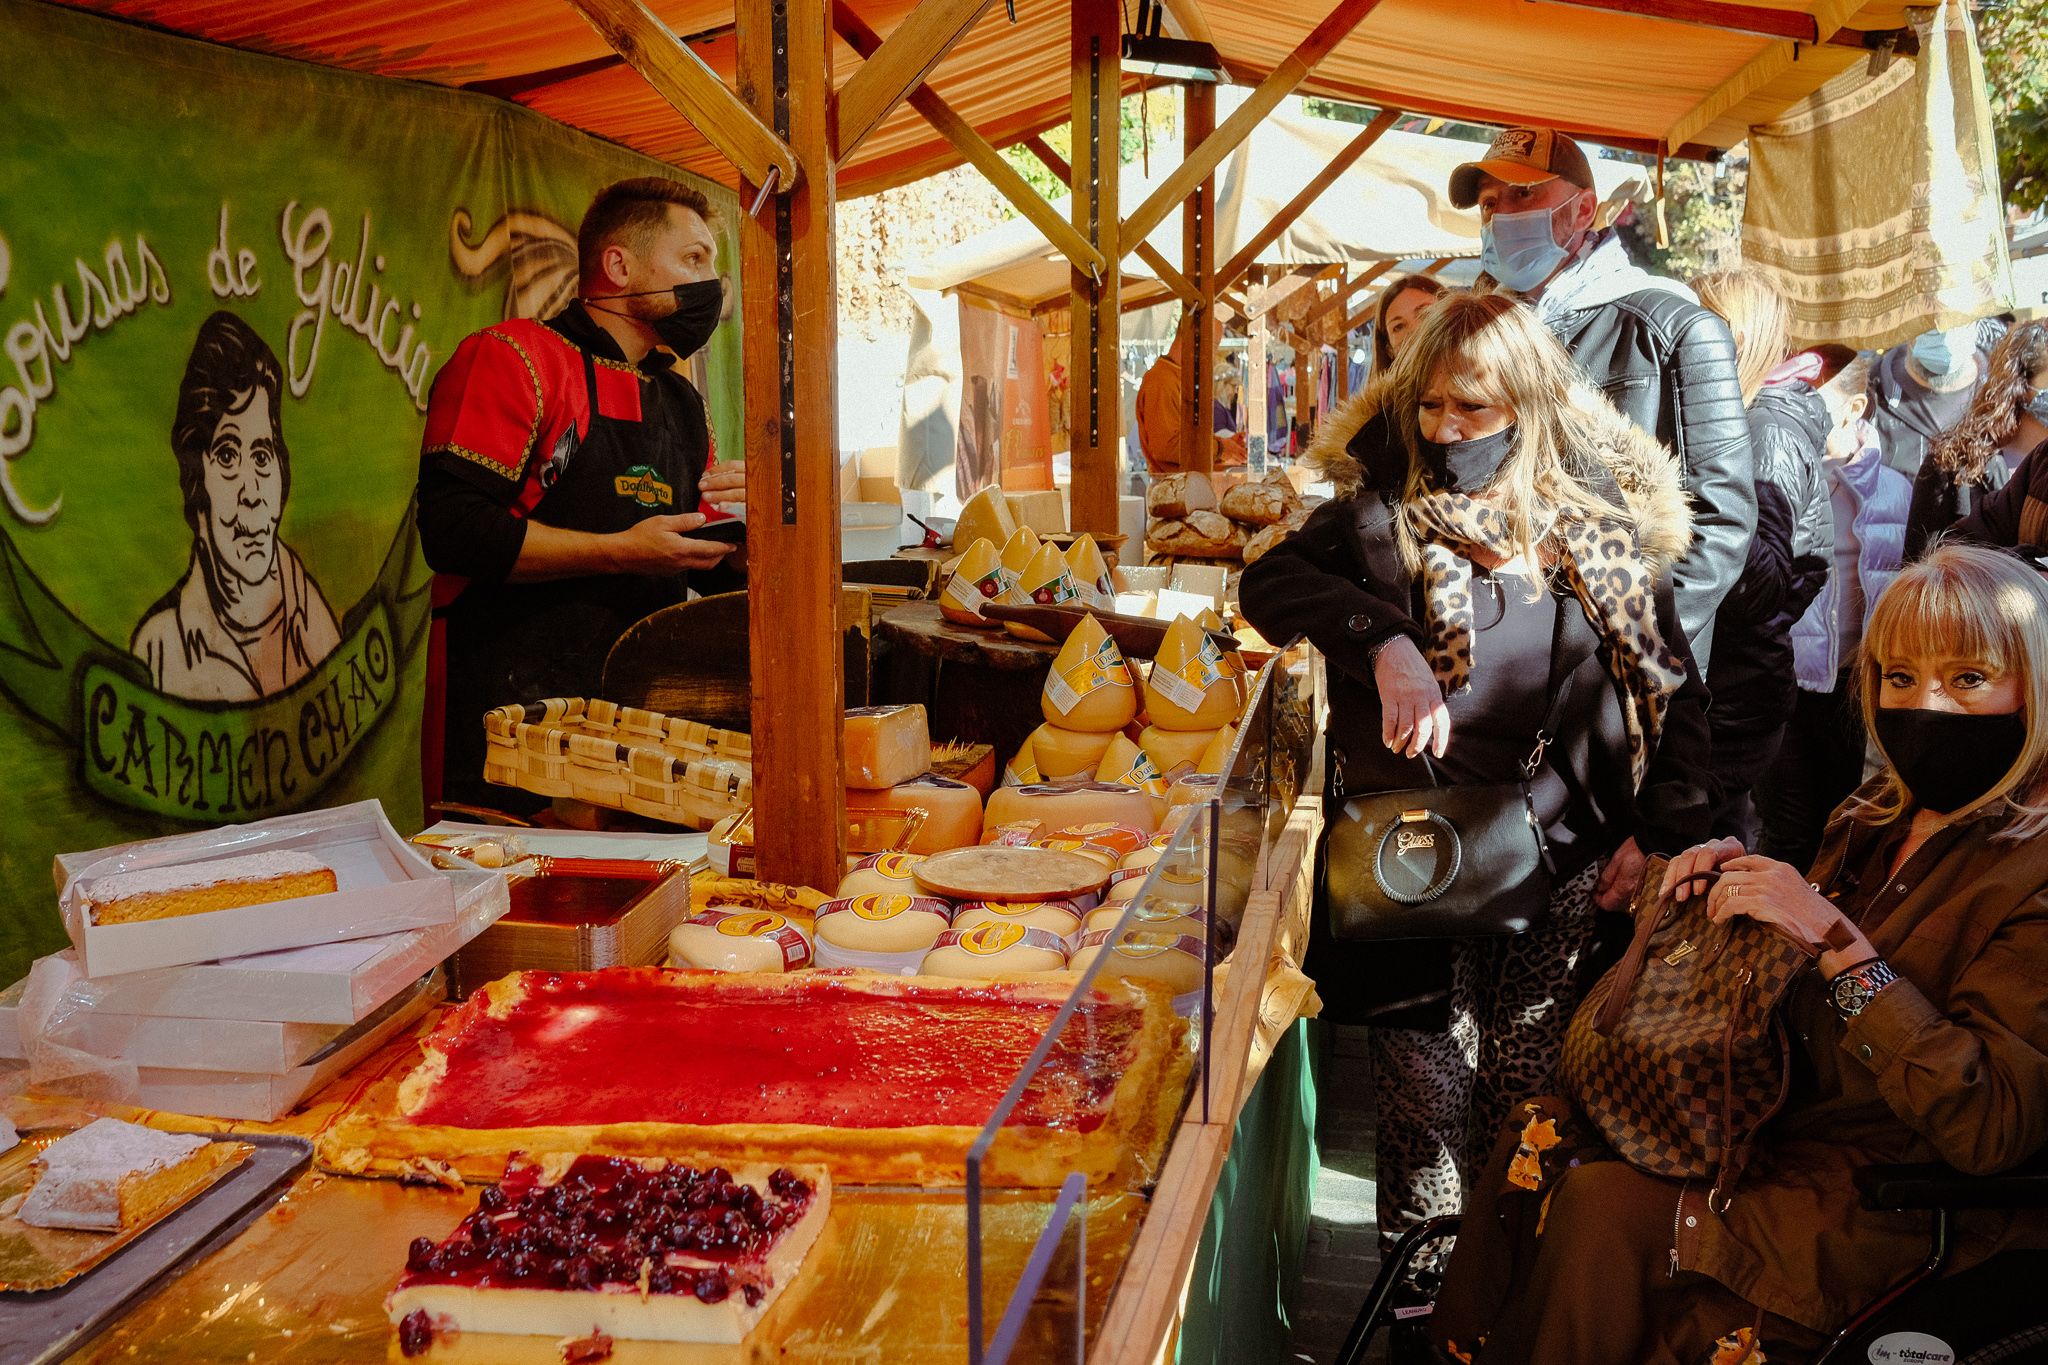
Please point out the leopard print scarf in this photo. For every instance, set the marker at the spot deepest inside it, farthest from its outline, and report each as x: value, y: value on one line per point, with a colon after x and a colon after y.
x: 1602, y: 562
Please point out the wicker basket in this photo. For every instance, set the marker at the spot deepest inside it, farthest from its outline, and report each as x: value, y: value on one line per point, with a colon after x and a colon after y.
x: 662, y: 767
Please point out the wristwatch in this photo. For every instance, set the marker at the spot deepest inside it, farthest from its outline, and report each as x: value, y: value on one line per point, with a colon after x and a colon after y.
x: 1852, y: 991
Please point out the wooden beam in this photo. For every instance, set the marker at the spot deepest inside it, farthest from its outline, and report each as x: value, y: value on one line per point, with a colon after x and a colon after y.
x: 1765, y: 23
x: 994, y: 167
x: 1197, y: 250
x: 1342, y: 296
x: 790, y: 302
x: 1759, y: 71
x: 1145, y: 251
x: 900, y: 65
x: 1094, y: 367
x: 1262, y: 101
x: 1235, y: 267
x: 680, y: 76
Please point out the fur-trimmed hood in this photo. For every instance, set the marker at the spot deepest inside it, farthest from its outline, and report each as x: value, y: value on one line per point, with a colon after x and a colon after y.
x: 1651, y: 483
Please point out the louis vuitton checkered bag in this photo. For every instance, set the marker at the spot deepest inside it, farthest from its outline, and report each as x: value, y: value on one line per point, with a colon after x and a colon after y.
x: 1678, y: 1054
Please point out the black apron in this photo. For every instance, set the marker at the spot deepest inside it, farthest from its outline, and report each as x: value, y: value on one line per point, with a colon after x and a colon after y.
x: 523, y: 642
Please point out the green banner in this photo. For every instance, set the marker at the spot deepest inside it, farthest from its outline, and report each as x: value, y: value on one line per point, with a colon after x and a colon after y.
x: 226, y: 284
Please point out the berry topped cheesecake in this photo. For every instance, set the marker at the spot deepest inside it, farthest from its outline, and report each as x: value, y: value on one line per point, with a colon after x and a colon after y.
x: 614, y: 1247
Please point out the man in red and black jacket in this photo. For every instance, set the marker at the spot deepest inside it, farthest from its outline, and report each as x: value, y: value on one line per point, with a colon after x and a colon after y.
x: 564, y: 467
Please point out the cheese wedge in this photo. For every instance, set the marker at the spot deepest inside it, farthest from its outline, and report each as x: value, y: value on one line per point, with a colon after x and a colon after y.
x: 1091, y: 572
x: 985, y: 517
x: 1089, y: 686
x: 1059, y: 753
x: 978, y: 579
x: 1190, y: 687
x: 886, y: 745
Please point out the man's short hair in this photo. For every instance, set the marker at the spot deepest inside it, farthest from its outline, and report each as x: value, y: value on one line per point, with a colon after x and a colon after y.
x: 1852, y: 379
x: 626, y: 212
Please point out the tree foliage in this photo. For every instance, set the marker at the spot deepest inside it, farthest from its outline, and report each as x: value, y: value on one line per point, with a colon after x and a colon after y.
x: 2014, y: 39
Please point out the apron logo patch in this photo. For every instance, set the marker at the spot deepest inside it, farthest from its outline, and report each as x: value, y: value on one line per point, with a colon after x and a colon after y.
x: 645, y: 487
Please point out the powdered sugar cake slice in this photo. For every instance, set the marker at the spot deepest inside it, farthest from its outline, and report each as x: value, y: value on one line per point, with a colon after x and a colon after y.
x: 589, y: 1246
x: 111, y: 1175
x: 151, y: 893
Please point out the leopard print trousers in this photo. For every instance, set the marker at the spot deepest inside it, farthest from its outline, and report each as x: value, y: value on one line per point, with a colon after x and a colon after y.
x: 1440, y: 1098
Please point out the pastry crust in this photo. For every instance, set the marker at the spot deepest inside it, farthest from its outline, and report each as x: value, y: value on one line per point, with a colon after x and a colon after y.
x: 1097, y: 1134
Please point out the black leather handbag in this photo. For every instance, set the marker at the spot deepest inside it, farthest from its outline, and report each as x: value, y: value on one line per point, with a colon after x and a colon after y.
x: 1444, y: 862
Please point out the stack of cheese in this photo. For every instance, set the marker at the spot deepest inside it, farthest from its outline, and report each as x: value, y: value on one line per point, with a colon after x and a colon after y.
x: 1193, y: 695
x: 1004, y: 562
x: 1185, y: 517
x: 888, y: 768
x: 1090, y: 696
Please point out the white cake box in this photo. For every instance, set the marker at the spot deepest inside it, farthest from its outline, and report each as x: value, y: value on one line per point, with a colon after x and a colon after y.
x: 383, y: 885
x: 151, y: 1040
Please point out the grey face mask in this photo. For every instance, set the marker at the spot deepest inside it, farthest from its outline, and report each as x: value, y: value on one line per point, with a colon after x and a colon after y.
x: 2037, y: 406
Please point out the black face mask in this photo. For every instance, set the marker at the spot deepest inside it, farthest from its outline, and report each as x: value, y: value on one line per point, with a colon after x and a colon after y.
x: 1948, y: 759
x: 1466, y: 466
x: 689, y: 327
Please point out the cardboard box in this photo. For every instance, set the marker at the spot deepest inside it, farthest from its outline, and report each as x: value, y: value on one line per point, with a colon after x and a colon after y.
x: 384, y: 886
x: 264, y: 1046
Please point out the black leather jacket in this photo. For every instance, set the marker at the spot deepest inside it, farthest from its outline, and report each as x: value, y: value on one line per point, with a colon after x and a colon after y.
x: 1669, y: 365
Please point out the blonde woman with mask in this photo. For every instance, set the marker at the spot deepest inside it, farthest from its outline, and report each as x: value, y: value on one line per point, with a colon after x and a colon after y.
x: 1919, y: 1032
x: 1491, y: 507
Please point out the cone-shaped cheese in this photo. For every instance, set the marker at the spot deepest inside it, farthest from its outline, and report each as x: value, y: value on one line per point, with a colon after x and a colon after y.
x: 980, y: 577
x: 985, y: 517
x: 1019, y: 550
x: 1090, y: 687
x: 1190, y: 687
x: 1209, y: 620
x: 1061, y: 753
x: 1175, y: 751
x: 1126, y: 765
x: 1045, y: 582
x: 1218, y: 753
x: 1091, y: 572
x: 1022, y: 769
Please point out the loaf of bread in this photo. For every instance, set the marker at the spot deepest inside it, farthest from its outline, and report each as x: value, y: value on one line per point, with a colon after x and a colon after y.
x: 1260, y: 504
x: 1176, y: 495
x: 1255, y: 549
x: 1207, y: 534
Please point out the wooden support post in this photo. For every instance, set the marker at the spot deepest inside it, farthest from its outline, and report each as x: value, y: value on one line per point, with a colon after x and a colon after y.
x: 1096, y: 368
x: 900, y: 65
x: 1343, y: 385
x: 791, y: 348
x: 994, y: 168
x: 680, y: 76
x: 1306, y: 353
x: 1255, y: 385
x: 1197, y: 251
x: 1312, y: 191
x: 1203, y: 161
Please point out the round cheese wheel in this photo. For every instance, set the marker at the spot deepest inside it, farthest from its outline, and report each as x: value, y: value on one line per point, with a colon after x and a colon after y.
x: 1172, y: 960
x: 993, y: 949
x: 735, y: 939
x: 883, y: 924
x: 1175, y: 752
x: 952, y: 810
x: 1060, y: 754
x: 1059, y: 917
x: 880, y: 874
x: 1193, y: 924
x: 1194, y: 788
x: 1124, y: 883
x: 1070, y: 804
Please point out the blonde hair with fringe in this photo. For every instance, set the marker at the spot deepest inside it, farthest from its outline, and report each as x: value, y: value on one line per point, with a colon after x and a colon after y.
x: 1495, y: 352
x: 1758, y: 316
x: 1968, y: 602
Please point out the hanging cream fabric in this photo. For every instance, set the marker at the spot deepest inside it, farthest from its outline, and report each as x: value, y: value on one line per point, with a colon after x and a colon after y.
x: 1867, y: 255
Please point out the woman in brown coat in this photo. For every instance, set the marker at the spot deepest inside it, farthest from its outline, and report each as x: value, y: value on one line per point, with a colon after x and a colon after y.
x: 1922, y: 1035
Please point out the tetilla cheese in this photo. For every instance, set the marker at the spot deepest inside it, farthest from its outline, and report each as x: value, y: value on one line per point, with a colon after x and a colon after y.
x: 1190, y: 687
x: 1059, y: 917
x: 1091, y: 572
x: 985, y: 517
x: 1126, y: 765
x: 883, y: 924
x: 886, y: 745
x: 993, y: 949
x: 1019, y: 550
x: 1207, y: 619
x: 735, y: 939
x: 1175, y: 752
x: 1059, y: 754
x: 1072, y: 804
x: 881, y: 874
x: 1045, y: 582
x: 1217, y: 755
x: 952, y: 810
x: 1089, y: 686
x: 979, y: 578
x: 1172, y: 960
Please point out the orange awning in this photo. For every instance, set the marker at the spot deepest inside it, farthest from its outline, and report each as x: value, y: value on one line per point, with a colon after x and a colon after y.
x: 1616, y: 77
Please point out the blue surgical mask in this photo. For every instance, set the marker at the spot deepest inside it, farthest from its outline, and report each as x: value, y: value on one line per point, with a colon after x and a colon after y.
x: 1520, y: 250
x: 1939, y: 354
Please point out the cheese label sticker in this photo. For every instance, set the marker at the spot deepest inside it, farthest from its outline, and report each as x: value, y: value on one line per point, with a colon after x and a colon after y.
x: 788, y: 940
x: 884, y: 907
x: 879, y: 907
x: 970, y: 594
x: 1022, y: 771
x: 1102, y: 667
x: 1143, y: 774
x: 1187, y: 685
x: 1017, y: 909
x: 992, y: 938
x: 1055, y: 590
x: 748, y: 923
x: 895, y: 866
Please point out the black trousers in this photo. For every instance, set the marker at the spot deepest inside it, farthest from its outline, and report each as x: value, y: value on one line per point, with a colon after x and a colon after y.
x: 1819, y: 763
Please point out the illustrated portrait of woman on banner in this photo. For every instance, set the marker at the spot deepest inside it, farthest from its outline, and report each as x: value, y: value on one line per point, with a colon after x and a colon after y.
x: 246, y: 621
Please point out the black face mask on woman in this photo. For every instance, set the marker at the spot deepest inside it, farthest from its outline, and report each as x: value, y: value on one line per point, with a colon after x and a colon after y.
x: 1948, y: 759
x: 1466, y: 466
x: 689, y: 327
